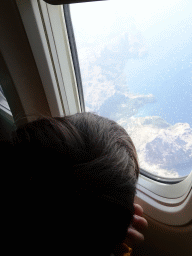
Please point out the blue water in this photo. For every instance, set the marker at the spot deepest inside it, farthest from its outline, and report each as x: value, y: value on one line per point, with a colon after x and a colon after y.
x: 169, y: 79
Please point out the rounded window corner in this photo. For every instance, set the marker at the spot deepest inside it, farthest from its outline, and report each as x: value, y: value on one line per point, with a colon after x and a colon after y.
x: 160, y: 179
x: 164, y: 188
x: 163, y: 209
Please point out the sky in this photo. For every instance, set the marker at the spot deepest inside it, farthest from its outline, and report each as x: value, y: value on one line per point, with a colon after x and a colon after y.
x: 109, y: 16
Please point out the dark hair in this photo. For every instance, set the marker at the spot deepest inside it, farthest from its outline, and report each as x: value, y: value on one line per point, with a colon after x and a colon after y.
x: 82, y: 171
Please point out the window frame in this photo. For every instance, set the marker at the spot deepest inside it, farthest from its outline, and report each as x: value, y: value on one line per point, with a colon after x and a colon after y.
x: 5, y: 111
x: 166, y: 203
x: 52, y: 54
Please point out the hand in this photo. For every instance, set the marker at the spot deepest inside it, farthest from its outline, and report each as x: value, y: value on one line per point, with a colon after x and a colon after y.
x: 138, y: 225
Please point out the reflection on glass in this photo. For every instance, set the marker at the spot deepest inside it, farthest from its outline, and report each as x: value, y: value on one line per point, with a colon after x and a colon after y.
x: 136, y: 65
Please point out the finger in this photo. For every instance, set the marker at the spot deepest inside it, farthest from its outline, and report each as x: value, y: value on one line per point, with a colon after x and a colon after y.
x: 133, y: 237
x: 139, y: 223
x: 138, y: 209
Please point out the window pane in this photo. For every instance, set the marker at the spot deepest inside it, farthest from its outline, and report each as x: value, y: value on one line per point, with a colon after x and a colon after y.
x: 136, y: 65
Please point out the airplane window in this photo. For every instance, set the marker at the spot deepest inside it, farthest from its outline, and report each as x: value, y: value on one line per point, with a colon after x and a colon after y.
x: 136, y: 66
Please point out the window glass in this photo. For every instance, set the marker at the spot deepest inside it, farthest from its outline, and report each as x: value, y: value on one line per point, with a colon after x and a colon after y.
x: 136, y: 67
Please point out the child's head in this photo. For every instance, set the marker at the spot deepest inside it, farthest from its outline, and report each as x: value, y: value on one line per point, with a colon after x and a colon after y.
x: 83, y: 172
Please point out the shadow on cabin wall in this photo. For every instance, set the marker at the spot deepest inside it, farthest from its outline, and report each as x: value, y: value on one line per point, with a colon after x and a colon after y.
x: 165, y: 240
x: 5, y: 129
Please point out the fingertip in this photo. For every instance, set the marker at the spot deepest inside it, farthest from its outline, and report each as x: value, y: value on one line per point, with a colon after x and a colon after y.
x: 135, y: 236
x: 139, y: 223
x: 138, y: 209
